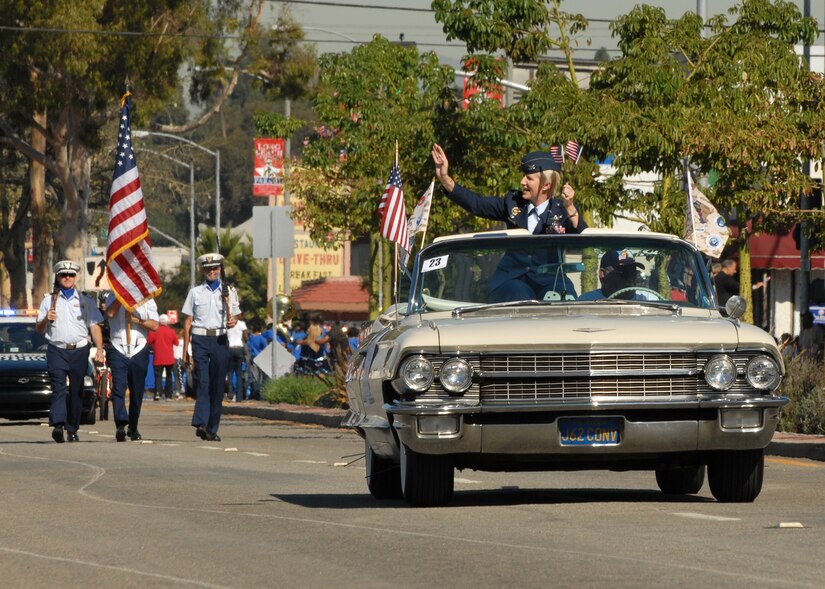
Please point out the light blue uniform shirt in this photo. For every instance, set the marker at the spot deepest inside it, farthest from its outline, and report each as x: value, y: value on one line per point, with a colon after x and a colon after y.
x: 75, y: 316
x: 206, y: 308
x: 137, y: 334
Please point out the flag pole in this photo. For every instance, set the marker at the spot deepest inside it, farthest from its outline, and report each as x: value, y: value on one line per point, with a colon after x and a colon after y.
x: 690, y: 200
x: 395, y: 264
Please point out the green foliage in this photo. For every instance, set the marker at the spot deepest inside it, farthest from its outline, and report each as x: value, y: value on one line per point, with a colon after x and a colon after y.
x: 295, y: 390
x: 803, y: 385
x: 379, y: 94
x: 268, y: 124
x: 519, y: 28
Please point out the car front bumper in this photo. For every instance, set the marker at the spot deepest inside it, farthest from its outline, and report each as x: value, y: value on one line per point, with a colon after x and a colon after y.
x: 35, y: 404
x: 646, y: 428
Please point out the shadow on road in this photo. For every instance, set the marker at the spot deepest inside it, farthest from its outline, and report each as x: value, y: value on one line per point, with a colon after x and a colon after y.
x: 497, y: 497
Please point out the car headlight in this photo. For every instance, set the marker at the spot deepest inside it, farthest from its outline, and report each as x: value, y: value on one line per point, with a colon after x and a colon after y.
x: 456, y: 375
x: 417, y: 373
x: 720, y: 372
x: 762, y: 373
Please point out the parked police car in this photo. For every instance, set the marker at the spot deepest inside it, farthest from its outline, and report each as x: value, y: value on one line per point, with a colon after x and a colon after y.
x: 25, y: 389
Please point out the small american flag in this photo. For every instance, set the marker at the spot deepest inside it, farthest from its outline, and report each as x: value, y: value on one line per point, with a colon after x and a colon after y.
x: 557, y: 154
x: 392, y: 214
x: 132, y: 273
x: 573, y: 151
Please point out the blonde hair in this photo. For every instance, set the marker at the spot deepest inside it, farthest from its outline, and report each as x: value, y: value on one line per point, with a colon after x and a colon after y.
x: 554, y: 179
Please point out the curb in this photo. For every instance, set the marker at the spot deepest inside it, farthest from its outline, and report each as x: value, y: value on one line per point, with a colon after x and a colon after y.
x: 297, y: 414
x: 788, y: 445
x: 812, y: 450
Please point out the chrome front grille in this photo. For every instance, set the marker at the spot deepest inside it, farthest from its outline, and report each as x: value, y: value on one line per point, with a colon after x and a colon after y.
x: 513, y: 379
x: 596, y: 362
x: 25, y: 381
x: 575, y: 389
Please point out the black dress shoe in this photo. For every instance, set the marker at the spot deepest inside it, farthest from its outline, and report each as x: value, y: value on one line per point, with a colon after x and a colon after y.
x: 120, y: 434
x: 214, y: 437
x: 202, y: 432
x: 57, y: 434
x: 134, y: 435
x: 73, y: 437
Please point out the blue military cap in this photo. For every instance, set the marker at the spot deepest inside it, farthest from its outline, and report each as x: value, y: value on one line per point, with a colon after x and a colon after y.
x: 539, y: 161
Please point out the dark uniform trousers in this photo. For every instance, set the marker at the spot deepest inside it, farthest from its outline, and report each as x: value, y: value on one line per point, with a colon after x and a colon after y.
x: 211, y: 357
x: 67, y: 401
x: 131, y: 373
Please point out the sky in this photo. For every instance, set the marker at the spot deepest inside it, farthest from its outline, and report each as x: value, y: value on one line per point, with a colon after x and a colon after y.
x: 335, y: 25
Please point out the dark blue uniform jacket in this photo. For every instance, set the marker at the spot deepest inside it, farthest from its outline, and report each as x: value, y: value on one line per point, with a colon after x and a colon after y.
x: 541, y: 267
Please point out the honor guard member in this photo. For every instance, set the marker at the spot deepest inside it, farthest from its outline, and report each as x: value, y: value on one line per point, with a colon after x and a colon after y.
x: 536, y: 207
x: 207, y: 321
x: 67, y: 317
x: 128, y: 355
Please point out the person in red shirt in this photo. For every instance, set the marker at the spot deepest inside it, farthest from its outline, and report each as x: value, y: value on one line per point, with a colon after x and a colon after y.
x: 163, y: 342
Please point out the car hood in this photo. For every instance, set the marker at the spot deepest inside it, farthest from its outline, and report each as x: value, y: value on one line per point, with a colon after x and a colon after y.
x: 590, y: 331
x: 28, y: 361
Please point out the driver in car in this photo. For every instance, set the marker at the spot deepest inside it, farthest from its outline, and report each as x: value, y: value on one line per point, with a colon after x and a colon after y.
x: 619, y: 277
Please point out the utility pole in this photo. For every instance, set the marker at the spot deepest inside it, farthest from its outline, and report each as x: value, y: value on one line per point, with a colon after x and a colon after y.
x: 805, y: 204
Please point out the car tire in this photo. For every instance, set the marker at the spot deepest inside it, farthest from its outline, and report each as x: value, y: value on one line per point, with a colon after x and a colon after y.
x: 426, y: 480
x: 735, y: 476
x: 383, y: 478
x: 679, y: 480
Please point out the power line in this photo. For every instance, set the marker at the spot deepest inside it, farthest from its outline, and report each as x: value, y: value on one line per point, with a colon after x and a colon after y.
x: 349, y: 5
x: 104, y: 33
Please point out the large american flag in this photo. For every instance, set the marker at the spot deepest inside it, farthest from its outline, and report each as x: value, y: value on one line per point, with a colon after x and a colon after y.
x: 392, y: 214
x: 131, y: 271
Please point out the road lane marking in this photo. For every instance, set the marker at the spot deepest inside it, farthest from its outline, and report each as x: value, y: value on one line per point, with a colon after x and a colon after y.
x: 119, y: 569
x: 792, y: 462
x: 256, y: 453
x: 310, y: 461
x: 466, y: 481
x: 99, y: 472
x: 713, y: 518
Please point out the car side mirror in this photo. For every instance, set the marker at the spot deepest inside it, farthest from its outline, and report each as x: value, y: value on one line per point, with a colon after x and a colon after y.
x: 735, y: 307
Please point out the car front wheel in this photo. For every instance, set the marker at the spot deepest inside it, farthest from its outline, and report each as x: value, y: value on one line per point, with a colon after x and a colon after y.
x: 680, y: 480
x: 426, y: 480
x: 735, y: 476
x: 383, y: 478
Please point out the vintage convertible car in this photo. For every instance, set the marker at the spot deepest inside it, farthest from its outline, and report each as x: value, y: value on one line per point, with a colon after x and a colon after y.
x: 620, y: 360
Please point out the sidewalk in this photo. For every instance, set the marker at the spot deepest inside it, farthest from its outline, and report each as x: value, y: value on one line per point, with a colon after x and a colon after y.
x: 783, y: 444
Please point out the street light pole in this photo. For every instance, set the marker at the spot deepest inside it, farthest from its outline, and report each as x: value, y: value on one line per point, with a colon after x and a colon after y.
x: 216, y: 154
x: 191, y: 168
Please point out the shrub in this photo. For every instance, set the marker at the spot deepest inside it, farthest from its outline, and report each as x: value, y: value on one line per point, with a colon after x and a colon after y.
x: 294, y: 389
x: 803, y: 385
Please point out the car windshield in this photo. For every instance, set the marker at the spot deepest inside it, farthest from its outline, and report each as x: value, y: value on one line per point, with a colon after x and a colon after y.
x: 20, y: 336
x: 559, y: 269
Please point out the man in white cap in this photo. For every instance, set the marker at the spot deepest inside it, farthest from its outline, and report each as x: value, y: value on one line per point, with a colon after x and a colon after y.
x: 67, y: 317
x: 128, y: 356
x: 211, y: 309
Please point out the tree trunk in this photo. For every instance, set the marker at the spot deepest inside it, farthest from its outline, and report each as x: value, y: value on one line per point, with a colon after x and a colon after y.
x: 73, y: 167
x: 745, y: 289
x: 41, y: 236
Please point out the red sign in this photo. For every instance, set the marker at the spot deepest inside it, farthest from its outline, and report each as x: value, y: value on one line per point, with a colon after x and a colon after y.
x: 268, y: 176
x: 172, y: 314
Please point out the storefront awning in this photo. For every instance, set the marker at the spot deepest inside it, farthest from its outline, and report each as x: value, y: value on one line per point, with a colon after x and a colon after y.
x: 779, y: 252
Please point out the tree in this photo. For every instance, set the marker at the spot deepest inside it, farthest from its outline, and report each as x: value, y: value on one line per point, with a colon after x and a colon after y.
x: 739, y: 102
x: 379, y: 94
x: 65, y: 86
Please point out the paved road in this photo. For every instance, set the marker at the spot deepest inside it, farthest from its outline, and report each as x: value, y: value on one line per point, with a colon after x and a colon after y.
x: 283, y: 505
